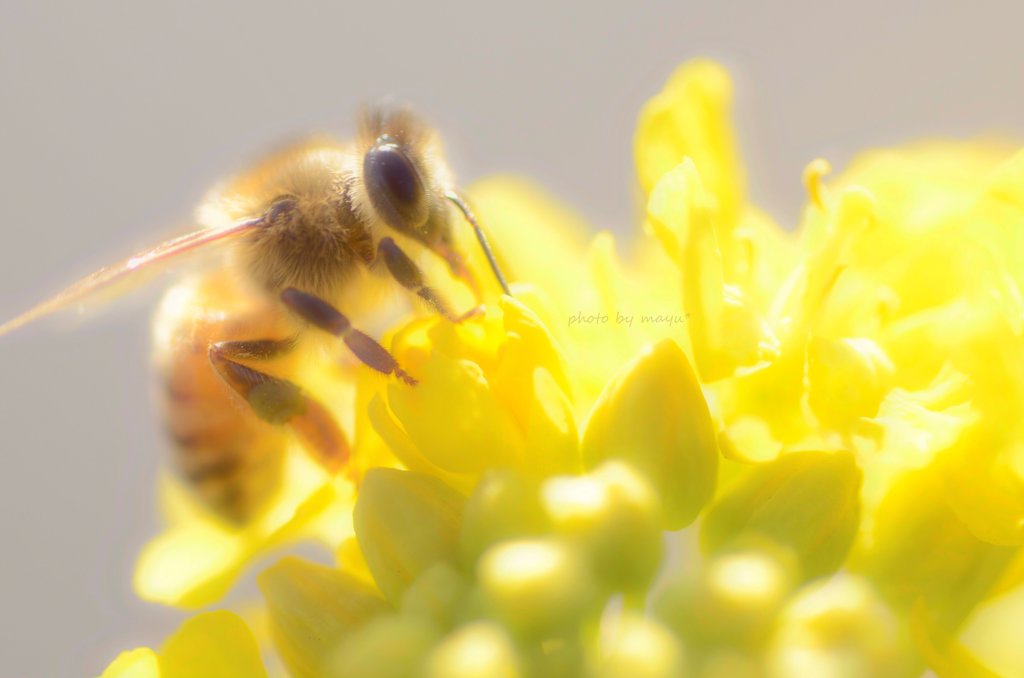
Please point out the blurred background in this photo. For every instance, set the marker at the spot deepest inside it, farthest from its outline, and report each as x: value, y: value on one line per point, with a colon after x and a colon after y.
x: 116, y: 117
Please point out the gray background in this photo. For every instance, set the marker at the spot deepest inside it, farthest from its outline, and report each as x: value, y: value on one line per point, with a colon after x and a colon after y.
x: 115, y: 118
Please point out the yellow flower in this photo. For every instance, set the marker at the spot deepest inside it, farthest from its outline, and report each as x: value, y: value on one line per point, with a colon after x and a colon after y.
x: 493, y: 391
x: 889, y: 328
x: 210, y: 645
x: 736, y: 452
x: 198, y: 557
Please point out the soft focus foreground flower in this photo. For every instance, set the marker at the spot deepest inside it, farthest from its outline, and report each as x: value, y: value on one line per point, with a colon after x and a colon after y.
x: 889, y: 329
x: 211, y: 645
x: 736, y: 452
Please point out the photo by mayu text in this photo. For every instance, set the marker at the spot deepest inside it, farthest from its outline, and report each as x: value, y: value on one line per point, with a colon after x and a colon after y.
x: 627, y: 319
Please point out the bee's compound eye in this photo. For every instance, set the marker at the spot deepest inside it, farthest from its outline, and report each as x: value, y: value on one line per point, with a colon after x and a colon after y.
x: 395, y: 186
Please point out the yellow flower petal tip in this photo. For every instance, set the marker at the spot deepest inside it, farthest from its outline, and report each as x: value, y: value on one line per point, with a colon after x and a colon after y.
x: 814, y: 173
x: 653, y: 416
x: 138, y: 663
x: 197, y: 559
x: 690, y: 117
x: 210, y: 645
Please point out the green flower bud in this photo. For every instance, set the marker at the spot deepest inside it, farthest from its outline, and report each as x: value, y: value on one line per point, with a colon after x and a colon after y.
x: 436, y: 595
x: 504, y: 506
x: 653, y: 415
x: 553, y: 658
x: 731, y: 664
x: 613, y: 514
x: 808, y: 501
x: 405, y: 522
x: 838, y: 627
x: 537, y: 587
x: 478, y: 650
x: 732, y: 599
x: 312, y: 608
x: 390, y: 646
x: 640, y: 647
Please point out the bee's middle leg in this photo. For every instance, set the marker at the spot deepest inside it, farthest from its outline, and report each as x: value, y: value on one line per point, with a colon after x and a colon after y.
x: 279, y: 401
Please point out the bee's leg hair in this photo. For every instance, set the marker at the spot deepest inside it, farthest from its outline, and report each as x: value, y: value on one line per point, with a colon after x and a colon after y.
x: 279, y: 401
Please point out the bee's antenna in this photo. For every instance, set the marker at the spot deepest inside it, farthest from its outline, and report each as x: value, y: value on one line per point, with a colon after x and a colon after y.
x: 460, y: 202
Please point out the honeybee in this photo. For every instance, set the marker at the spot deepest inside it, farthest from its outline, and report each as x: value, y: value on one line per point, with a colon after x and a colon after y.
x: 301, y: 231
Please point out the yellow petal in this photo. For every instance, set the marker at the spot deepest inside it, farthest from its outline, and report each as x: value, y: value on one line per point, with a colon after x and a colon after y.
x: 986, y: 489
x: 774, y: 500
x: 312, y: 609
x: 921, y: 553
x: 405, y: 522
x: 138, y: 663
x: 189, y: 567
x: 405, y: 450
x: 990, y: 633
x: 653, y: 416
x: 669, y: 205
x: 212, y: 645
x: 538, y: 342
x: 197, y: 560
x: 690, y: 117
x: 552, y: 441
x: 350, y: 560
x: 725, y: 329
x: 454, y: 417
x: 847, y: 379
x: 945, y: 654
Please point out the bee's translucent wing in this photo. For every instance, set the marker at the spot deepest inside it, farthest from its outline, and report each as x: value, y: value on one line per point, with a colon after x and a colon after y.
x: 124, y: 270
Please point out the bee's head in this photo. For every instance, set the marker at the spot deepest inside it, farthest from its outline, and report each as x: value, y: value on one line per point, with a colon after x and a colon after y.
x: 409, y: 187
x: 404, y: 175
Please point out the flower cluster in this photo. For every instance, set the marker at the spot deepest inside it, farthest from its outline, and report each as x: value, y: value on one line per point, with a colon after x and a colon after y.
x: 819, y: 470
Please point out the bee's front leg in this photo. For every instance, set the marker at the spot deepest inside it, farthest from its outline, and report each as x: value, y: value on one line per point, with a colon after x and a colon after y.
x: 315, y: 310
x: 279, y: 401
x: 407, y: 274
